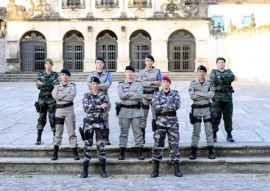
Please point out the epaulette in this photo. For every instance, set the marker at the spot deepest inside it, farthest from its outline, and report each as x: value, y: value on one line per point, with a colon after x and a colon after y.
x: 122, y: 81
x: 138, y: 81
x: 175, y: 91
x: 72, y: 83
x: 57, y: 83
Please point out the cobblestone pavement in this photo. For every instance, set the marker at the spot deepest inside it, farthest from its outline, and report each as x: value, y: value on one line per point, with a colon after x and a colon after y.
x: 203, y: 182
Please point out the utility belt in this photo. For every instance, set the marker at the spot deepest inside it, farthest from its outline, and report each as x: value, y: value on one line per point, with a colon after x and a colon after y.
x: 149, y: 91
x: 137, y: 106
x: 227, y: 90
x: 170, y: 113
x: 196, y: 106
x: 86, y: 120
x: 64, y: 105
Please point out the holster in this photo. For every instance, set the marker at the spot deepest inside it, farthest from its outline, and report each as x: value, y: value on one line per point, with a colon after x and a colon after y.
x: 37, y: 106
x: 81, y: 130
x: 118, y: 108
x: 191, y: 118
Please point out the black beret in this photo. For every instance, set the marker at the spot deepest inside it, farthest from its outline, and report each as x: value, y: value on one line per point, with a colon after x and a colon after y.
x: 65, y: 71
x: 99, y: 58
x: 130, y: 68
x: 150, y: 57
x: 95, y: 79
x: 201, y: 67
x: 220, y: 58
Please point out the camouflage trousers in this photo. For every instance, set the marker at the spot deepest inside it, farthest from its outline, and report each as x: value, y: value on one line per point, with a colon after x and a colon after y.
x: 197, y: 130
x: 88, y: 143
x: 173, y: 138
x: 106, y: 131
x: 47, y: 106
x: 225, y: 109
x: 147, y: 103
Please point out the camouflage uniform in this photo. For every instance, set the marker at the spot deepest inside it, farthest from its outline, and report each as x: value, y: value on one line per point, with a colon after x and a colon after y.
x: 165, y: 106
x: 146, y: 76
x: 45, y: 99
x: 222, y: 101
x: 65, y: 113
x: 105, y: 83
x: 201, y: 109
x: 96, y: 124
x: 130, y: 95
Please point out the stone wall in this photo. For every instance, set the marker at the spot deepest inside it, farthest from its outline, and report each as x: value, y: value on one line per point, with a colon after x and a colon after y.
x: 2, y: 55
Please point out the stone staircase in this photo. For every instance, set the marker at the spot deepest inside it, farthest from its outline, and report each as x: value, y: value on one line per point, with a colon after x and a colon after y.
x: 81, y: 76
x: 233, y: 158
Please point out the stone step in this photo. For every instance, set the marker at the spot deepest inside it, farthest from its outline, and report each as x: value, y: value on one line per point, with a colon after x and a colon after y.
x: 222, y: 150
x: 81, y: 76
x: 134, y: 166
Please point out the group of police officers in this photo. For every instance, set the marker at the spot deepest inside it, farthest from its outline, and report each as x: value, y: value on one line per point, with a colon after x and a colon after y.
x: 212, y: 99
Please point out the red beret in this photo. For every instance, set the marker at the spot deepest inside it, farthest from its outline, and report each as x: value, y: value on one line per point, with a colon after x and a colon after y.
x: 167, y: 78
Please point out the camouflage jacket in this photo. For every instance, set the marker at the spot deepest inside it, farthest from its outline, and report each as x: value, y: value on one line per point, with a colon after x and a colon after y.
x: 105, y: 80
x: 95, y: 111
x: 222, y: 82
x: 166, y: 102
x: 48, y: 80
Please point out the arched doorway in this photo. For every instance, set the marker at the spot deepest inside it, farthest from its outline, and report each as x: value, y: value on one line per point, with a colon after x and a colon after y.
x: 181, y: 51
x: 73, y: 51
x: 107, y: 48
x: 33, y: 51
x: 140, y: 47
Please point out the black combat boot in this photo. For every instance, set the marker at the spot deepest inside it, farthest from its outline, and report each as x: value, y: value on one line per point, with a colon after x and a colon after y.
x: 155, y: 172
x: 107, y: 132
x: 102, y: 165
x: 38, y: 137
x: 75, y: 153
x: 140, y: 153
x: 143, y: 131
x: 229, y: 137
x: 211, y: 154
x: 177, y: 171
x: 85, y: 170
x: 55, y: 152
x: 122, y: 153
x: 215, y: 136
x: 193, y: 154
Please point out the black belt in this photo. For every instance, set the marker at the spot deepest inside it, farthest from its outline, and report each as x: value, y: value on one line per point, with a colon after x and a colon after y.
x: 86, y: 120
x: 171, y: 113
x: 194, y: 106
x: 131, y: 106
x: 149, y: 92
x: 222, y: 91
x: 64, y: 105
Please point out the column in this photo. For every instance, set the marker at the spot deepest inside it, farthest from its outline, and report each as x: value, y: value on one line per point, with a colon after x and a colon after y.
x: 123, y: 10
x: 158, y: 13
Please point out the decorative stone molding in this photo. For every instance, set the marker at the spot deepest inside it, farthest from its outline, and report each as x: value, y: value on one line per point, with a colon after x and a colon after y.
x: 179, y: 9
x: 3, y: 12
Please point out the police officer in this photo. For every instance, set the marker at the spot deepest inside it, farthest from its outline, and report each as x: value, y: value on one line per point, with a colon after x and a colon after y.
x: 45, y: 82
x: 64, y: 94
x: 165, y: 104
x: 201, y: 91
x: 151, y: 80
x: 130, y: 92
x: 95, y: 104
x: 222, y: 101
x: 105, y: 83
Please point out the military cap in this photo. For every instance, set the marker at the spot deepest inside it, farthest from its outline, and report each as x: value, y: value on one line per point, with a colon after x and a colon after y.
x: 49, y: 60
x: 66, y: 71
x: 220, y: 58
x: 130, y: 68
x: 150, y: 57
x: 95, y: 79
x: 166, y: 78
x: 99, y: 58
x: 201, y: 67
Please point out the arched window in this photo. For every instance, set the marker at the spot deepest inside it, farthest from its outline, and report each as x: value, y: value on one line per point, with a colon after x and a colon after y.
x: 181, y: 51
x: 107, y: 49
x: 140, y: 46
x: 73, y: 52
x: 33, y: 51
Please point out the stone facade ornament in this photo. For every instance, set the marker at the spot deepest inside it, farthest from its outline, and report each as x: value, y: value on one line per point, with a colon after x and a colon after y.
x: 38, y: 10
x: 252, y: 23
x: 181, y: 9
x: 3, y: 12
x: 231, y: 27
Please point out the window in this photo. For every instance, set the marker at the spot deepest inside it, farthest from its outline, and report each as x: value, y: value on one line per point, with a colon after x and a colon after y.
x: 140, y: 4
x: 107, y: 49
x: 218, y: 21
x: 73, y: 51
x: 72, y: 4
x: 181, y: 51
x: 106, y: 3
x: 33, y: 52
x: 246, y: 20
